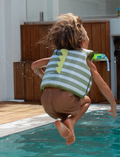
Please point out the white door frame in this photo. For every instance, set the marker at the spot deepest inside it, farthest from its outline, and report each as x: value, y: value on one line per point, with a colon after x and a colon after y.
x: 114, y: 31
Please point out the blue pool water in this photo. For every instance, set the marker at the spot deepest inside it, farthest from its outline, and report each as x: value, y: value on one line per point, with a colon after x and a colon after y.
x: 97, y: 135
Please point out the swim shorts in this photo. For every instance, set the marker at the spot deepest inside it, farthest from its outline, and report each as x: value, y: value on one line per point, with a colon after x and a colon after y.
x: 59, y: 103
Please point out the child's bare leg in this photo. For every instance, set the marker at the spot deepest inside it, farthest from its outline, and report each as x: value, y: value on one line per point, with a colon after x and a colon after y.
x: 70, y: 122
x: 63, y: 129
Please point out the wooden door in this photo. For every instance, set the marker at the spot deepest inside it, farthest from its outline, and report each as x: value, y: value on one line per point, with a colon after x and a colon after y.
x: 99, y: 34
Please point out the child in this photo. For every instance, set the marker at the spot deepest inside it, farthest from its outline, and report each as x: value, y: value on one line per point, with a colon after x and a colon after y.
x: 67, y: 78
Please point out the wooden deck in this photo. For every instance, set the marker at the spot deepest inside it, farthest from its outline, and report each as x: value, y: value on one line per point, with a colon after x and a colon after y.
x: 11, y: 111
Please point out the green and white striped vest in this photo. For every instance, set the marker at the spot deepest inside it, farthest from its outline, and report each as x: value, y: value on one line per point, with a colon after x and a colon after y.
x: 68, y: 70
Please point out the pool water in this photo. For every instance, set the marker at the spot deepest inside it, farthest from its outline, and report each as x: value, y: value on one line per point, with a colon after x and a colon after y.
x: 97, y: 135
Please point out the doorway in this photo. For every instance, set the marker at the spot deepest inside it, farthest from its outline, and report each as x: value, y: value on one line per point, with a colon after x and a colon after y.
x: 117, y: 55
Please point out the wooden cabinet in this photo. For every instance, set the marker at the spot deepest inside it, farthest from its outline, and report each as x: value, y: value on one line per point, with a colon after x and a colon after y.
x: 27, y: 84
x: 30, y: 35
x: 99, y: 34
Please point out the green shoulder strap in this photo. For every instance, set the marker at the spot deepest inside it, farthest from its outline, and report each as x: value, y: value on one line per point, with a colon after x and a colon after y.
x: 89, y: 53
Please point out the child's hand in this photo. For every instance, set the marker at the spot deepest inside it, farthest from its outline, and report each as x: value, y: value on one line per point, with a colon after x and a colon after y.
x: 113, y: 111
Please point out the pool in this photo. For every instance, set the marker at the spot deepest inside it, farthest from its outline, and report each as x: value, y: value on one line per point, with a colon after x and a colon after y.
x: 97, y: 135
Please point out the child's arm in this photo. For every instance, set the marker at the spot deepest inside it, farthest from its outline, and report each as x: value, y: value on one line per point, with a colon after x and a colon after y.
x: 38, y: 65
x: 104, y: 88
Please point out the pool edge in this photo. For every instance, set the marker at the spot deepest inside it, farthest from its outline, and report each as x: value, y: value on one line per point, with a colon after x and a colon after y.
x: 40, y: 120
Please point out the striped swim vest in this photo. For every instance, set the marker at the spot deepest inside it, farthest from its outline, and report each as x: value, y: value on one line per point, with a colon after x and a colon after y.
x: 68, y: 70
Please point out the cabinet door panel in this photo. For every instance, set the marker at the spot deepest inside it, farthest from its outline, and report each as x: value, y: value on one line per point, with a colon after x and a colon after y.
x: 37, y: 91
x: 25, y: 43
x: 19, y: 82
x: 43, y: 47
x: 34, y: 47
x: 88, y: 28
x: 50, y: 48
x: 29, y: 90
x: 96, y: 37
x: 99, y: 42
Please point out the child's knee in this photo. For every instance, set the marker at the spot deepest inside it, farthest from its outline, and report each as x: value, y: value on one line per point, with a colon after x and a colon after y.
x: 85, y: 100
x: 88, y: 99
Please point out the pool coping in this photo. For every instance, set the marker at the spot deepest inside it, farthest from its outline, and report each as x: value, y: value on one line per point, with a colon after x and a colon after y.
x: 36, y: 121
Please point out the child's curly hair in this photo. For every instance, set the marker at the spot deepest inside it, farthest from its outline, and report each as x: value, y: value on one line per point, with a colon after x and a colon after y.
x: 66, y: 33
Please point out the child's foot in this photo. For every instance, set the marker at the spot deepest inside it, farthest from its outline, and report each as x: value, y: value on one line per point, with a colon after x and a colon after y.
x: 63, y: 130
x: 70, y: 139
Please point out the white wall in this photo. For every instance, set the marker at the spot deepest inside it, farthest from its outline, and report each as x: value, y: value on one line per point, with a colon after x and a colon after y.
x: 34, y: 7
x: 83, y: 8
x: 111, y: 6
x: 50, y: 9
x: 55, y: 9
x: 2, y: 53
x: 89, y: 8
x: 13, y: 13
